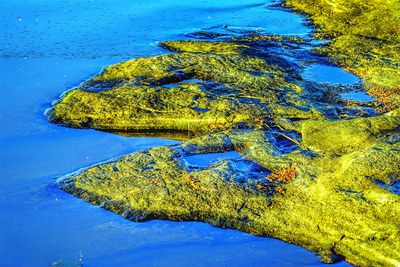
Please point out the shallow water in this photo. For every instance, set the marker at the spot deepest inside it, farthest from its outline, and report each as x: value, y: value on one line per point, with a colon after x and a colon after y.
x: 205, y: 160
x: 330, y: 74
x: 356, y: 96
x: 48, y: 47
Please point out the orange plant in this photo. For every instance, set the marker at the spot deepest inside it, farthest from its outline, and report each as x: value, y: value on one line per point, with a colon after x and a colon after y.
x: 284, y: 175
x: 190, y: 181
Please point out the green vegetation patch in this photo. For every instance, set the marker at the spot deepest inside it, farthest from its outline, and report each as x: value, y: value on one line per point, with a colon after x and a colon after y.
x: 205, y: 87
x: 329, y: 204
x: 365, y: 39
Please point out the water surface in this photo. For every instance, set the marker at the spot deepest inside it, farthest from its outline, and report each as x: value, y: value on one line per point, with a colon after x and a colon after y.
x: 330, y: 74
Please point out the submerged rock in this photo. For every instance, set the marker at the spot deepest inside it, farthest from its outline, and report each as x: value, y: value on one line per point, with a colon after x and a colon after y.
x: 310, y: 178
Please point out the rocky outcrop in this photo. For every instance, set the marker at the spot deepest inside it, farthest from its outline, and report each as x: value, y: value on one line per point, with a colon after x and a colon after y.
x: 303, y: 175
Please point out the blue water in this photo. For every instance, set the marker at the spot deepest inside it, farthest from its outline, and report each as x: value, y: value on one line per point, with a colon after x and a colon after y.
x: 205, y: 160
x: 330, y: 74
x: 356, y: 96
x: 47, y: 47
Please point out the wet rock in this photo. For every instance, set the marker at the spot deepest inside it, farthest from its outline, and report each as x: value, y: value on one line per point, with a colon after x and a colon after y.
x: 328, y: 204
x: 362, y: 40
x: 214, y: 86
x: 142, y: 108
x: 320, y: 193
x: 343, y: 136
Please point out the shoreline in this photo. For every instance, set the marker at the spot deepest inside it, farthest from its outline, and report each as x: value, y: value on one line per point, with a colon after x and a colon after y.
x: 284, y: 190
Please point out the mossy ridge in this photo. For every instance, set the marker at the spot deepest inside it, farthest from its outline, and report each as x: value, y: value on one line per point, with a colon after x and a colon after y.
x: 204, y: 47
x: 143, y: 108
x: 365, y: 39
x: 204, y: 90
x: 201, y: 60
x: 344, y: 136
x: 346, y: 212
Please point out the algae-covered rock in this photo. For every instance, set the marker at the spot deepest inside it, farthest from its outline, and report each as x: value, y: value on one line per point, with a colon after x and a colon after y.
x: 259, y: 147
x: 154, y: 184
x: 365, y: 37
x: 303, y: 175
x: 344, y: 136
x: 204, y: 47
x: 379, y: 162
x: 205, y: 87
x: 142, y: 108
x: 331, y: 205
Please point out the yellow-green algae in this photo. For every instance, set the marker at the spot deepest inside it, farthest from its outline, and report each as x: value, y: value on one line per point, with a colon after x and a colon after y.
x: 332, y: 207
x: 234, y: 98
x: 365, y: 38
x: 339, y: 137
x: 136, y: 108
x: 231, y: 88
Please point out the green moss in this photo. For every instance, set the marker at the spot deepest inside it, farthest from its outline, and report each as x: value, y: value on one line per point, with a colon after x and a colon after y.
x: 365, y: 38
x: 142, y: 108
x: 332, y: 210
x: 255, y: 145
x: 344, y: 136
x: 270, y: 38
x: 212, y: 143
x: 205, y: 61
x: 293, y: 112
x: 259, y: 147
x: 231, y: 90
x: 204, y: 47
x: 154, y: 184
x: 380, y: 162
